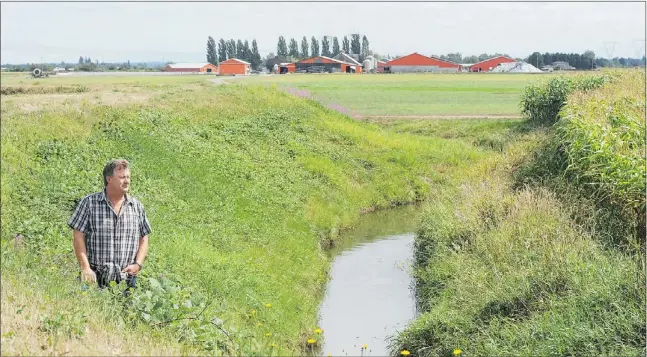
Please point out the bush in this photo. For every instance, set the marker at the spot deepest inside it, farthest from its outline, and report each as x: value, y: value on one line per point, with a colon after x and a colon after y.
x: 541, y: 103
x: 596, y: 152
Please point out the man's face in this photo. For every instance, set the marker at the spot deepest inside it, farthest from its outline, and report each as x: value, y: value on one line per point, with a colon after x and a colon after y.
x: 120, y: 181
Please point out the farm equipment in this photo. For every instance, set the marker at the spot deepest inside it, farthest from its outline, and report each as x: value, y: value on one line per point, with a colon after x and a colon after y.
x: 39, y: 73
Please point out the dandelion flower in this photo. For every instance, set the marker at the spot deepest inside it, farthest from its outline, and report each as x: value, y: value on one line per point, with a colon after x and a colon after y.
x: 268, y: 305
x: 318, y: 331
x: 274, y: 345
x: 457, y: 352
x: 268, y: 334
x: 405, y: 353
x: 312, y: 341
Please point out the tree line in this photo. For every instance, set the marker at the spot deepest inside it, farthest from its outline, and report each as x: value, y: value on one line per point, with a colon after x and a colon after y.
x: 226, y: 49
x: 587, y: 60
x: 329, y: 46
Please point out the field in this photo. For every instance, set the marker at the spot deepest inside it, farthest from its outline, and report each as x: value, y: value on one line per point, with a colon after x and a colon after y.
x: 247, y: 186
x: 462, y: 94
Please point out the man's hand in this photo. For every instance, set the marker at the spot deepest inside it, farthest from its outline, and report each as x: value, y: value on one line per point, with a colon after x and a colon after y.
x: 88, y: 275
x: 132, y: 269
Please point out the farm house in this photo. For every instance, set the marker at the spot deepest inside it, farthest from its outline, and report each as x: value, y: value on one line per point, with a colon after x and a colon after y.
x: 321, y: 64
x: 344, y: 57
x: 489, y: 64
x: 234, y: 66
x: 191, y: 67
x: 416, y: 62
x: 287, y: 68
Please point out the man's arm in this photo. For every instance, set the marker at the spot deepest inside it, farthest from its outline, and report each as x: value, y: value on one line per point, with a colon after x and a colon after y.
x: 133, y: 269
x: 82, y: 256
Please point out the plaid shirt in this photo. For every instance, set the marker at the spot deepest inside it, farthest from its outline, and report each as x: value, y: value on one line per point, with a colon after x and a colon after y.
x: 111, y: 240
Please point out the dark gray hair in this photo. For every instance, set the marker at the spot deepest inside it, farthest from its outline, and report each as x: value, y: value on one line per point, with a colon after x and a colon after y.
x: 111, y: 166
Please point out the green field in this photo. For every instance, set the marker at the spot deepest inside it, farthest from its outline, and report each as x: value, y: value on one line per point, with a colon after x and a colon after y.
x: 415, y: 94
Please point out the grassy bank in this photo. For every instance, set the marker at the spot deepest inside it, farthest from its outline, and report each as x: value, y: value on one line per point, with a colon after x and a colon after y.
x: 538, y: 252
x: 244, y: 187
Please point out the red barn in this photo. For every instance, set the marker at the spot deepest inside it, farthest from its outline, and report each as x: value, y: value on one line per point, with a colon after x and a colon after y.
x: 191, y: 67
x: 489, y: 64
x: 234, y: 66
x: 416, y: 62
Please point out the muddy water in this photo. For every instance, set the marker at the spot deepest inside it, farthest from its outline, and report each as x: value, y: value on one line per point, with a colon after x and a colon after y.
x: 369, y: 296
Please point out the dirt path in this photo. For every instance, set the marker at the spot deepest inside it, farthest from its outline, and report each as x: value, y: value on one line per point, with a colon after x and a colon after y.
x: 443, y: 116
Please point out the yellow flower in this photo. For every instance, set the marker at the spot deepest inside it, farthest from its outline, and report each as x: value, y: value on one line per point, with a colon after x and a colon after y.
x: 259, y: 324
x: 457, y: 352
x: 364, y: 346
x: 405, y: 353
x: 312, y: 341
x: 274, y: 345
x: 268, y: 305
x: 268, y: 334
x: 318, y: 331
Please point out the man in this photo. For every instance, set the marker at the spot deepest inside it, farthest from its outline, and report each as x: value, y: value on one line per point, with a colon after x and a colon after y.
x: 111, y: 230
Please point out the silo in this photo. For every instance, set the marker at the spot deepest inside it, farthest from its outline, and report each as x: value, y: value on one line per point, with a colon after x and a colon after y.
x: 368, y: 66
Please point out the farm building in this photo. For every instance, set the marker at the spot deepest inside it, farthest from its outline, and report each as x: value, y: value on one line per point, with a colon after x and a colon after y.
x: 380, y: 66
x: 234, y: 66
x: 489, y: 64
x: 320, y: 64
x: 416, y: 62
x: 284, y: 68
x: 344, y: 57
x: 191, y: 67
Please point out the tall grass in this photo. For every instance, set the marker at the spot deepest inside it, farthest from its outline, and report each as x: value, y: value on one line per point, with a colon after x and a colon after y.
x: 521, y: 264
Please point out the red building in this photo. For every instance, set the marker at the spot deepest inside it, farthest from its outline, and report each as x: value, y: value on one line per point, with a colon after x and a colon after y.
x: 489, y: 64
x: 234, y: 66
x: 416, y: 62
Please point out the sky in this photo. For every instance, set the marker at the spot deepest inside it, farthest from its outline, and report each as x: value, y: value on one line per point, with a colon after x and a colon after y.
x: 177, y: 31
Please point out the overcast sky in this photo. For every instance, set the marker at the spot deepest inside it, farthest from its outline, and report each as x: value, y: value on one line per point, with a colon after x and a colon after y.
x: 116, y: 32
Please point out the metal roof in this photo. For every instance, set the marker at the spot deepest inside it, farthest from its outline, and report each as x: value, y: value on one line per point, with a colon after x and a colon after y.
x: 188, y: 65
x: 235, y: 59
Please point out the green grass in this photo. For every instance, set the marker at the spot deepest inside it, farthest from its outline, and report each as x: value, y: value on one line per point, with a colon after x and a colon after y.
x: 547, y: 266
x: 244, y: 187
x: 415, y: 94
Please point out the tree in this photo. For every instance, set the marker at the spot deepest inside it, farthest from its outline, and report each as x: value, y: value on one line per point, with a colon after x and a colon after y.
x: 365, y: 49
x: 231, y: 49
x: 455, y: 57
x: 589, y: 57
x: 345, y: 45
x: 222, y: 50
x: 80, y: 59
x: 536, y: 59
x: 355, y: 45
x: 314, y: 45
x: 325, y: 47
x: 240, y: 50
x: 470, y: 59
x: 256, y: 57
x: 212, y: 56
x: 335, y: 46
x: 304, y: 47
x: 294, y: 49
x: 88, y: 60
x: 282, y: 47
x: 247, y: 52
